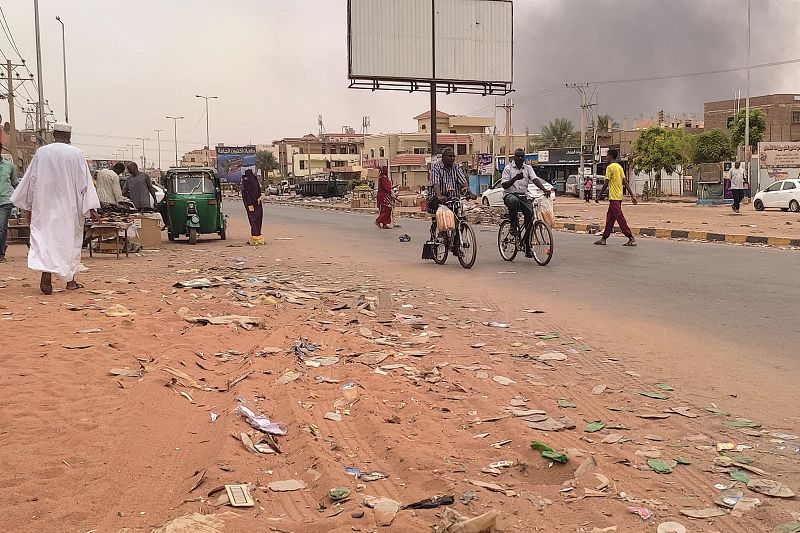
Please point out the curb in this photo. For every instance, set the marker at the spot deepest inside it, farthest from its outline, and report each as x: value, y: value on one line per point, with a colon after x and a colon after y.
x: 658, y: 233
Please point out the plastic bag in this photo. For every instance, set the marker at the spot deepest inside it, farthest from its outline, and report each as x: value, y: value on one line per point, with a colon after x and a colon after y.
x: 546, y: 213
x: 445, y: 219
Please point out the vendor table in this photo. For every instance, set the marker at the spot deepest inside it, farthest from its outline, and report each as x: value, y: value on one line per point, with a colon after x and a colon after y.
x: 109, y: 230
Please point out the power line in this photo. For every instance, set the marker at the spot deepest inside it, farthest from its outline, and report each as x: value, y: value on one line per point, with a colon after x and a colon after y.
x: 8, y: 33
x: 694, y: 74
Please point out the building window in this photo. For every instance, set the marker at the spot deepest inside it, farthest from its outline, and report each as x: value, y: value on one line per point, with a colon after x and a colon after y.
x: 729, y: 122
x: 302, y: 165
x: 343, y: 149
x: 381, y: 152
x: 301, y: 151
x: 453, y: 131
x: 796, y: 117
x: 424, y: 127
x: 372, y: 153
x: 461, y: 149
x: 420, y: 150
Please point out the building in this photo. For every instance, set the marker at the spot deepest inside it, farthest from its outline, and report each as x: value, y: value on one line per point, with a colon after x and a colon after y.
x: 687, y: 122
x: 312, y: 154
x: 782, y: 112
x: 459, y: 124
x: 202, y: 157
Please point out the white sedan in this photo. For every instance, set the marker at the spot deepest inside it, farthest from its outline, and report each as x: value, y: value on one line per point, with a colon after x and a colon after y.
x: 493, y: 196
x: 784, y: 194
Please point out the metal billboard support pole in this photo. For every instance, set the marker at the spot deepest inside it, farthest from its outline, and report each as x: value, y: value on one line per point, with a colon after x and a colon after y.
x: 434, y: 141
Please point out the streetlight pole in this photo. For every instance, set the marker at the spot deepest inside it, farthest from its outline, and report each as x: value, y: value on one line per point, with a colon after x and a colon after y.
x: 40, y: 122
x: 64, y: 57
x: 208, y: 142
x: 144, y: 157
x: 747, y: 151
x: 133, y: 155
x: 158, y: 136
x: 175, y: 121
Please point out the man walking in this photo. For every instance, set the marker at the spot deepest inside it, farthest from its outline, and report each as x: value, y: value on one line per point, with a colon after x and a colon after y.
x: 738, y: 185
x: 57, y: 189
x: 616, y: 183
x: 516, y: 179
x: 8, y: 181
x: 108, y: 189
x: 139, y: 188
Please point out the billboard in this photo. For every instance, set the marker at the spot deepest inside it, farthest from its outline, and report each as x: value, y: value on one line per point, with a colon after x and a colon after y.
x: 779, y: 155
x: 391, y: 40
x: 232, y: 161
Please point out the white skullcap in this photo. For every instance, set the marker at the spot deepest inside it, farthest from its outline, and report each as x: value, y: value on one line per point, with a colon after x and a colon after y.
x: 62, y: 126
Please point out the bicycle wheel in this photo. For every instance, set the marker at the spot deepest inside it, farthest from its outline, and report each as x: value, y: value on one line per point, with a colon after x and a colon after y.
x: 441, y: 247
x: 467, y: 246
x: 506, y: 242
x: 541, y: 243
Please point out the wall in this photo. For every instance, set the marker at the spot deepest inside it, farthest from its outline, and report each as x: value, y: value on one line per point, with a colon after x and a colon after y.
x: 778, y: 109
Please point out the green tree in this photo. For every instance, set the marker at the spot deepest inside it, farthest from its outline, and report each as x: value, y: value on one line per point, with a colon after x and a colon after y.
x: 266, y: 163
x: 659, y: 149
x: 758, y: 125
x: 560, y: 133
x: 712, y: 146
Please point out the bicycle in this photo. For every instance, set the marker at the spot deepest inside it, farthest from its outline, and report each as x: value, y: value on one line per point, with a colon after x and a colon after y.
x: 537, y: 232
x: 460, y: 240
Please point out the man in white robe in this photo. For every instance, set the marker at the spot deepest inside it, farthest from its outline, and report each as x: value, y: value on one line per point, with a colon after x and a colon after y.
x: 58, y: 191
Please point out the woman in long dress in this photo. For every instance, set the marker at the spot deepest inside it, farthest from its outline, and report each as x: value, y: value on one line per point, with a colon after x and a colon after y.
x: 252, y: 198
x: 385, y: 200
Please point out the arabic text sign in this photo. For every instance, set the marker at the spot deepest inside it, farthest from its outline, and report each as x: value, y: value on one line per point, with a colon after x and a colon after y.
x: 779, y: 155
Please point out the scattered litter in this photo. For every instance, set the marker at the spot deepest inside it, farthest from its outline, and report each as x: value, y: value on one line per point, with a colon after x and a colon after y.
x: 548, y: 453
x: 431, y: 503
x: 532, y: 311
x: 496, y: 325
x: 655, y: 395
x: 246, y: 322
x: 708, y: 512
x: 239, y: 495
x: 287, y: 485
x: 770, y: 488
x: 643, y: 512
x: 503, y: 380
x: 670, y: 527
x: 468, y: 497
x: 565, y: 404
x: 126, y: 373
x: 196, y: 522
x: 494, y: 487
x: 339, y: 493
x: 336, y: 417
x: 385, y: 510
x: 595, y: 426
x: 453, y: 522
x: 260, y: 422
x: 288, y: 377
x: 197, y: 283
x: 89, y: 330
x: 552, y: 356
x: 661, y: 466
x: 117, y: 310
x: 684, y: 411
x: 405, y: 237
x: 599, y: 389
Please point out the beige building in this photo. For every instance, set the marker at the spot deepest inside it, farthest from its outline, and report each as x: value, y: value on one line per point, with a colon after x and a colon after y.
x: 687, y: 121
x: 782, y: 112
x: 459, y: 124
x: 200, y: 158
x: 312, y: 154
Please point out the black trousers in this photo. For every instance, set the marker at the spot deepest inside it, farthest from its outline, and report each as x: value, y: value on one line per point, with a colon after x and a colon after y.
x: 738, y: 194
x: 587, y: 195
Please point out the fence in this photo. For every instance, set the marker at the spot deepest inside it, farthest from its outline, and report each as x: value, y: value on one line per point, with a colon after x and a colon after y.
x: 670, y: 184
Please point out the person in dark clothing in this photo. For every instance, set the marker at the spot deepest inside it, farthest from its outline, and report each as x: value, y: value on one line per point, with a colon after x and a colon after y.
x: 252, y: 198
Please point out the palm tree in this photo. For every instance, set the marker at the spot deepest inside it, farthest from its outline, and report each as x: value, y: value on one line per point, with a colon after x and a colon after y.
x: 606, y: 123
x: 266, y: 162
x: 560, y: 133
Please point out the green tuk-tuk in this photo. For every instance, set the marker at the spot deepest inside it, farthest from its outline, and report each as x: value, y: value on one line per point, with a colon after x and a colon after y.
x: 192, y: 204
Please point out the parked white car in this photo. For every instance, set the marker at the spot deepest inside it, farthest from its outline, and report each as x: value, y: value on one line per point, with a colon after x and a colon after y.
x: 574, y: 185
x: 493, y: 196
x: 784, y: 194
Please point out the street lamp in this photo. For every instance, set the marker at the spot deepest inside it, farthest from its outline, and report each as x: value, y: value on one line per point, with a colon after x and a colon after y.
x: 208, y: 143
x: 747, y: 151
x: 175, y: 121
x: 64, y: 56
x: 144, y: 157
x: 133, y: 154
x: 158, y: 136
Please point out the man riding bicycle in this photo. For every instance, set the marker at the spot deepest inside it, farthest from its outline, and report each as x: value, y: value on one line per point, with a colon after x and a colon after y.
x: 446, y: 176
x: 516, y: 179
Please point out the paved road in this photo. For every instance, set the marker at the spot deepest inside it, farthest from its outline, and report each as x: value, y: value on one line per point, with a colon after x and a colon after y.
x: 745, y: 295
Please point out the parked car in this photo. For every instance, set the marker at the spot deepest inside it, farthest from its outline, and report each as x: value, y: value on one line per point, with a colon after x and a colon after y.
x: 493, y: 196
x: 273, y: 190
x: 784, y: 194
x: 574, y: 185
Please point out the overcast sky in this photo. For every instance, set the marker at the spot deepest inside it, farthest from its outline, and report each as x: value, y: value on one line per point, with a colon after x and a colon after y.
x: 277, y: 64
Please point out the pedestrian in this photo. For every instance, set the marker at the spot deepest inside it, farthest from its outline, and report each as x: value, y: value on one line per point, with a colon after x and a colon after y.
x: 616, y: 183
x: 385, y: 200
x: 738, y: 185
x: 57, y: 189
x: 588, y: 187
x: 8, y: 182
x: 108, y: 188
x: 252, y: 198
x: 139, y: 188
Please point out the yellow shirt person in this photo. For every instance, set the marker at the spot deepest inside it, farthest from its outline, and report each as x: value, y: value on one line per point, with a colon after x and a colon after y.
x: 614, y: 177
x: 616, y: 183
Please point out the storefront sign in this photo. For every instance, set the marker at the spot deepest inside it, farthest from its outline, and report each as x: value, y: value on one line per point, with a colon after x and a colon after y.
x: 779, y: 155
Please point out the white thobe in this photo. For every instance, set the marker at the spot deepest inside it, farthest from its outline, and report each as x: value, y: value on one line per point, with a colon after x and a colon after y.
x: 58, y: 191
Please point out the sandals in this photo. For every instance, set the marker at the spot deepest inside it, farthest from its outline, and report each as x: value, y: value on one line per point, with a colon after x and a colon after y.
x: 46, y: 284
x: 74, y: 285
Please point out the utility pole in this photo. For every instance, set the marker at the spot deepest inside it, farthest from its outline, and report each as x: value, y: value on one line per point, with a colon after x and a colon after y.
x: 64, y: 57
x: 208, y: 142
x: 158, y: 137
x: 747, y: 151
x: 434, y: 140
x: 133, y: 156
x: 507, y: 105
x: 40, y: 123
x: 11, y: 119
x: 175, y: 121
x: 581, y: 88
x: 144, y: 157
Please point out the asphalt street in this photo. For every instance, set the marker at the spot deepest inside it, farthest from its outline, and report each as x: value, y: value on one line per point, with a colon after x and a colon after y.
x: 747, y: 296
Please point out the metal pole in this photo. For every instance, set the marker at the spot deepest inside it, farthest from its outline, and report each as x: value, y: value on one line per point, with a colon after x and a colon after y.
x: 434, y: 141
x: 144, y: 157
x: 158, y: 137
x: 40, y: 124
x: 747, y: 151
x: 596, y: 126
x: 12, y: 147
x: 64, y: 57
x: 175, y: 122
x: 208, y: 142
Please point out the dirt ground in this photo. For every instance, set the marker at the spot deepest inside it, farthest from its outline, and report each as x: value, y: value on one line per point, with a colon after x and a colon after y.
x: 421, y: 385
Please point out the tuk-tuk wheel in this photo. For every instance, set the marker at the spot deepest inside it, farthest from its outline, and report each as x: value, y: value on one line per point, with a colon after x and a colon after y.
x: 170, y: 236
x: 222, y: 232
x: 192, y: 235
